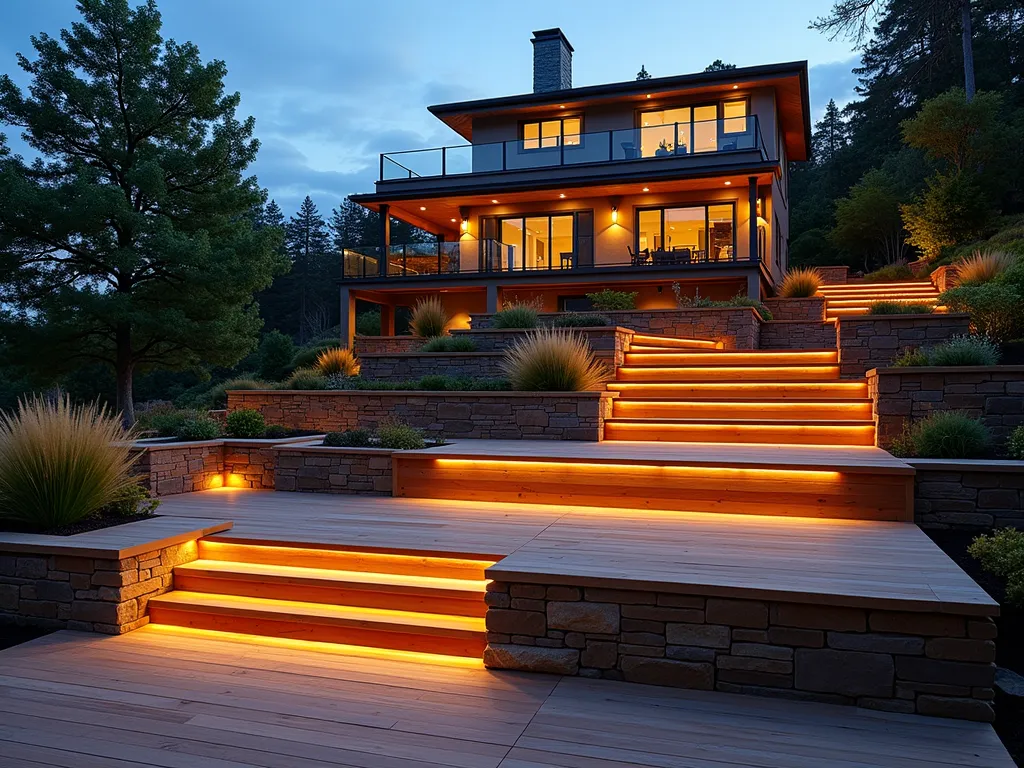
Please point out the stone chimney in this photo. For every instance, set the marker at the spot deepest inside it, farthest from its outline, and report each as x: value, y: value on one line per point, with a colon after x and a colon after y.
x: 552, y: 61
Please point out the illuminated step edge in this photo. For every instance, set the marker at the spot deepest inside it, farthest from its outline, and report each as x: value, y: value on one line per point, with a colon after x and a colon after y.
x: 740, y: 391
x: 845, y: 433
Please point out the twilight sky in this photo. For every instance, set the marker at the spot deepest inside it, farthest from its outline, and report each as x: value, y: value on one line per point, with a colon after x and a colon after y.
x: 332, y: 83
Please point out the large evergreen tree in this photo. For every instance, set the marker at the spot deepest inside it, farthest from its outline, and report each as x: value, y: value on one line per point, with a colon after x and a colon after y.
x: 130, y: 240
x: 309, y: 246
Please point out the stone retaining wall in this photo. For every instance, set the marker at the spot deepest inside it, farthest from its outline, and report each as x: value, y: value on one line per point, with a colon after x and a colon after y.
x: 483, y: 415
x: 924, y: 663
x: 609, y: 343
x: 363, y: 345
x: 973, y: 495
x: 833, y: 275
x: 872, y: 341
x: 810, y: 309
x: 735, y: 327
x: 412, y: 366
x: 321, y: 469
x: 901, y: 396
x: 796, y: 334
x: 108, y: 595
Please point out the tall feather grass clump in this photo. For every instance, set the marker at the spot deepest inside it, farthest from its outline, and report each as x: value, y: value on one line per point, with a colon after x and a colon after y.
x: 800, y: 283
x: 983, y: 266
x: 553, y: 360
x: 337, y: 361
x: 516, y: 316
x: 61, y: 462
x: 429, y: 318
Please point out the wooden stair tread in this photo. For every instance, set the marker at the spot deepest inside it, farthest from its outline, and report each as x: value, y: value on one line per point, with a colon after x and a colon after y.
x: 745, y: 400
x: 226, y: 569
x: 740, y: 422
x: 319, y: 613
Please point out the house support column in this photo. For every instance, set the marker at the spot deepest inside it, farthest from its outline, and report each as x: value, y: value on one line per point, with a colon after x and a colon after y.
x: 752, y: 222
x: 754, y: 284
x: 385, y: 239
x: 492, y: 299
x: 387, y: 319
x: 348, y: 317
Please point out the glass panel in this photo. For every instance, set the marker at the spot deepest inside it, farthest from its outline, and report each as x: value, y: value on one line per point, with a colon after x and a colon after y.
x: 571, y: 129
x: 531, y: 136
x: 684, y: 229
x: 649, y: 230
x: 562, y: 256
x: 720, y: 221
x: 550, y: 132
x: 512, y: 236
x: 705, y: 129
x: 538, y: 251
x: 658, y: 134
x: 734, y: 109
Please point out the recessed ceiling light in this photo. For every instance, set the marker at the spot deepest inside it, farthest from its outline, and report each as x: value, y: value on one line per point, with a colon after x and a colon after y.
x: 735, y: 87
x: 648, y: 95
x: 561, y: 194
x: 728, y: 183
x: 647, y: 189
x: 453, y: 221
x: 561, y: 106
x: 423, y: 207
x: 494, y: 201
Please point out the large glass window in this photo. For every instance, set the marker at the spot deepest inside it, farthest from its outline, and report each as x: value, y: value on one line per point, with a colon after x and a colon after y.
x: 703, y: 232
x: 683, y: 130
x: 539, y: 242
x: 547, y: 134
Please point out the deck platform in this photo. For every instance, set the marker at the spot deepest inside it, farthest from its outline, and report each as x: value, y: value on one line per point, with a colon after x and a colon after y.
x: 825, y: 561
x: 178, y: 699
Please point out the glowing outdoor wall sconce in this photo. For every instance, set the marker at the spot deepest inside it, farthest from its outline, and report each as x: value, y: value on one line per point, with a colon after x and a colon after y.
x: 464, y: 215
x: 465, y: 225
x: 615, y: 214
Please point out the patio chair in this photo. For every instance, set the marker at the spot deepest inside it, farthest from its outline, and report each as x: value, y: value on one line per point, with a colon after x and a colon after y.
x: 640, y: 258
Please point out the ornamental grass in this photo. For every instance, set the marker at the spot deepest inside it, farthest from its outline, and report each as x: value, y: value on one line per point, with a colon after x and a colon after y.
x: 983, y: 266
x: 429, y: 318
x: 61, y: 462
x: 337, y: 361
x: 800, y: 283
x: 553, y: 360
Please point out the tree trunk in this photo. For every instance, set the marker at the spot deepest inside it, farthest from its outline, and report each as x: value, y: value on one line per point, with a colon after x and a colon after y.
x: 125, y: 403
x: 965, y: 13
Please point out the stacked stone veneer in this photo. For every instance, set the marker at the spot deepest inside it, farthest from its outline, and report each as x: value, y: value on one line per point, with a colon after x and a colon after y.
x: 483, y: 415
x: 968, y: 495
x: 809, y: 309
x: 735, y: 327
x: 833, y: 275
x: 872, y: 341
x: 901, y: 396
x: 925, y: 663
x: 797, y: 334
x: 322, y: 469
x: 386, y: 344
x: 409, y: 366
x: 90, y: 594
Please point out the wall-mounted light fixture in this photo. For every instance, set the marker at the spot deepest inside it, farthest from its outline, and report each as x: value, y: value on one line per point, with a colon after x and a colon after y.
x: 464, y: 216
x: 615, y: 214
x: 465, y: 225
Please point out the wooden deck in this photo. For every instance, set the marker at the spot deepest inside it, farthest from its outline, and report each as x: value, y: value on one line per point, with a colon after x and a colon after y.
x: 837, y: 562
x: 162, y: 697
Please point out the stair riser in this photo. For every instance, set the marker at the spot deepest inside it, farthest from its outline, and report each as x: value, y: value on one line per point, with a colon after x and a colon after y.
x: 668, y: 341
x: 671, y: 375
x: 868, y: 496
x: 730, y: 358
x: 451, y: 568
x: 471, y: 645
x: 727, y: 434
x: 765, y: 391
x: 625, y: 408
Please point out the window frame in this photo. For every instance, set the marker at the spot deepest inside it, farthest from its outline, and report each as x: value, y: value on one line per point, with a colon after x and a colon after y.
x: 560, y: 119
x: 706, y: 205
x: 719, y: 104
x: 574, y: 214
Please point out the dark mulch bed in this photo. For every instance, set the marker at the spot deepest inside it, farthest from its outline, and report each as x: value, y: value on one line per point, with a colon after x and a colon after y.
x: 82, y: 526
x: 1009, y: 645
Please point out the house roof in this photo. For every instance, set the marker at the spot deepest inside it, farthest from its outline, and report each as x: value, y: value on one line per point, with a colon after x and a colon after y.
x: 789, y: 80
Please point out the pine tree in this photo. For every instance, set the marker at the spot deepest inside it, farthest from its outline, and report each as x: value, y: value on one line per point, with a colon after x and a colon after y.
x: 347, y: 222
x: 718, y: 66
x: 643, y: 74
x: 309, y: 246
x: 831, y: 135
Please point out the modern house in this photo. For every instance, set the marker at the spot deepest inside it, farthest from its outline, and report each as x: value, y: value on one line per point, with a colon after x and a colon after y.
x: 565, y: 191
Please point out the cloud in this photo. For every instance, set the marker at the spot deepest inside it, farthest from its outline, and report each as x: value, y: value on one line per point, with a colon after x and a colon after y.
x: 834, y: 80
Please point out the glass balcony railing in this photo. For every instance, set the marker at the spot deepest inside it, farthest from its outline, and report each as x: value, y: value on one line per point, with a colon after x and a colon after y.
x: 466, y: 256
x: 650, y: 142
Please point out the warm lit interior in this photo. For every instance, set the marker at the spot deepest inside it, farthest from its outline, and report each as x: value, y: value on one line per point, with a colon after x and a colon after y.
x: 688, y: 231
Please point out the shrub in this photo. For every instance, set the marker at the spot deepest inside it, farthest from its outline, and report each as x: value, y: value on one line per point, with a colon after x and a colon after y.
x: 553, y: 360
x: 580, y: 320
x: 368, y: 323
x: 165, y: 423
x: 740, y: 300
x: 350, y: 438
x: 304, y: 378
x: 399, y: 437
x: 1002, y: 553
x: 949, y: 435
x: 429, y: 318
x: 199, y: 428
x: 337, y: 361
x: 276, y: 432
x: 910, y: 358
x: 896, y: 271
x: 1015, y: 445
x: 800, y: 283
x: 131, y: 500
x: 516, y: 316
x: 983, y: 266
x: 995, y: 309
x: 275, y: 354
x: 964, y: 350
x: 60, y: 462
x: 900, y: 308
x: 610, y: 301
x: 450, y: 344
x: 306, y: 357
x: 246, y: 424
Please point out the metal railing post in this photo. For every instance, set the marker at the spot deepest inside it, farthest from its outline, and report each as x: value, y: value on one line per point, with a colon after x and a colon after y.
x: 444, y: 161
x: 381, y: 178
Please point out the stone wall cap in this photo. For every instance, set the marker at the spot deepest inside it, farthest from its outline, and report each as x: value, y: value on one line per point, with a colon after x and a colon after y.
x: 929, y: 315
x: 118, y: 541
x: 609, y: 328
x: 931, y: 369
x: 476, y: 394
x: 429, y: 355
x: 971, y: 465
x: 171, y: 444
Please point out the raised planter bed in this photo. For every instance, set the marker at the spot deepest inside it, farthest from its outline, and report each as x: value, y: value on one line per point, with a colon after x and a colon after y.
x: 809, y: 309
x: 411, y: 366
x: 483, y: 415
x: 317, y: 468
x: 609, y: 343
x: 735, y: 327
x: 872, y: 341
x: 386, y: 344
x: 968, y: 494
x: 833, y: 275
x: 995, y: 394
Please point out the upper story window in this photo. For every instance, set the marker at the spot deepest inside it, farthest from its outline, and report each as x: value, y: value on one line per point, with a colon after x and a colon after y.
x: 546, y: 134
x: 684, y: 130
